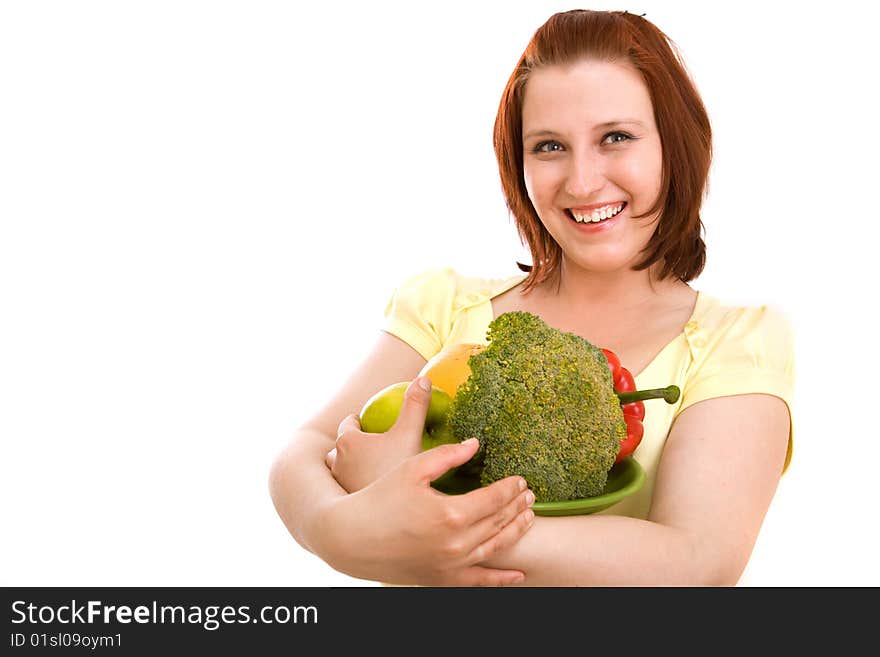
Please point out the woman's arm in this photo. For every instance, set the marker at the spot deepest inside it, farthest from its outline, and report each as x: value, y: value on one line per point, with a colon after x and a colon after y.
x: 718, y: 474
x: 397, y: 529
x: 299, y: 481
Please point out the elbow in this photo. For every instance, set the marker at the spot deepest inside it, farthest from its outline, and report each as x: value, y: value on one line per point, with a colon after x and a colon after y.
x: 294, y: 497
x: 729, y: 571
x: 723, y: 575
x: 712, y: 564
x: 277, y: 483
x: 281, y: 485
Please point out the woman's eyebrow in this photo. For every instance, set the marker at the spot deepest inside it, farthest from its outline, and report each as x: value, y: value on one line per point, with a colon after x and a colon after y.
x: 599, y: 126
x: 539, y: 133
x: 608, y: 124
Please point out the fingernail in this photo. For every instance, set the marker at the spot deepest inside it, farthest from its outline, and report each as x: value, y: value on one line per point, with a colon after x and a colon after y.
x: 424, y: 383
x: 518, y: 579
x: 522, y: 484
x: 530, y: 498
x: 469, y: 441
x: 530, y: 516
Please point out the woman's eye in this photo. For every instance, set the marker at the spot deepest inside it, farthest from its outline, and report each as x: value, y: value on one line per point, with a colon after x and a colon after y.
x: 547, y: 147
x: 616, y: 138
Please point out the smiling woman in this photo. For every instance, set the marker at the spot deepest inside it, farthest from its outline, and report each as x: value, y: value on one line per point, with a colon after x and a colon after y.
x: 630, y: 84
x: 585, y: 180
x: 603, y: 148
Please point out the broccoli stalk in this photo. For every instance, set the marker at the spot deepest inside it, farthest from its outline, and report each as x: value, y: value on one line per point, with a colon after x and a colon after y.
x: 542, y: 403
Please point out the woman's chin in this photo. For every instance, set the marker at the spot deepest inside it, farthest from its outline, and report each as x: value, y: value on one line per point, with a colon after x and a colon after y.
x: 605, y: 265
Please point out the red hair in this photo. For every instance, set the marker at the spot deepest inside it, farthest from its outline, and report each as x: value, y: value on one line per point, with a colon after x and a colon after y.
x: 679, y: 114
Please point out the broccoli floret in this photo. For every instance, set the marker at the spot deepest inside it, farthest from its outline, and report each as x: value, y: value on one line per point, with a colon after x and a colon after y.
x: 543, y: 405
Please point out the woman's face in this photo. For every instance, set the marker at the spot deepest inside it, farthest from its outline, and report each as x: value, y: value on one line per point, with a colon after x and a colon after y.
x: 591, y: 148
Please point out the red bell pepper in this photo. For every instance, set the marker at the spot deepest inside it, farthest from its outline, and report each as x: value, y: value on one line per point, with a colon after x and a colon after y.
x: 632, y: 403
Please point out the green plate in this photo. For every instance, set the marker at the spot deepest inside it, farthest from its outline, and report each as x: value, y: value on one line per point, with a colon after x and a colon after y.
x: 624, y: 479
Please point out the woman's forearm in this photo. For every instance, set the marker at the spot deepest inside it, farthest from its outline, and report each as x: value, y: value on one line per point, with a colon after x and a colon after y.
x: 610, y: 550
x: 301, y: 486
x: 398, y: 529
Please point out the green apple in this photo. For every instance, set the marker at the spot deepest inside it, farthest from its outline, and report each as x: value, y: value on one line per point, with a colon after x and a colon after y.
x: 382, y: 409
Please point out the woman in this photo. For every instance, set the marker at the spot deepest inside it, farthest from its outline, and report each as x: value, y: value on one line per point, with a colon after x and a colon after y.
x: 604, y: 148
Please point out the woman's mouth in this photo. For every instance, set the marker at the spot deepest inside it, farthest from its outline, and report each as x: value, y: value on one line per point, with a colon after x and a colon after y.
x: 595, y: 216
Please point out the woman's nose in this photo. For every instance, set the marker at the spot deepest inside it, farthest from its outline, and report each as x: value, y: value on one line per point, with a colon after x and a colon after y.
x: 584, y: 177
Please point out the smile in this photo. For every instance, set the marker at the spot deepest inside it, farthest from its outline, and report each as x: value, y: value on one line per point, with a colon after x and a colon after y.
x: 597, y: 215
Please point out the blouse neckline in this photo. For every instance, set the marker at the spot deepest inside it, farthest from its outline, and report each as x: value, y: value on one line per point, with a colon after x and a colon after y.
x: 690, y: 327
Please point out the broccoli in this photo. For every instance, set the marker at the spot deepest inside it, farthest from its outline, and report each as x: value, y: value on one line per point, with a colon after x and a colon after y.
x: 543, y: 405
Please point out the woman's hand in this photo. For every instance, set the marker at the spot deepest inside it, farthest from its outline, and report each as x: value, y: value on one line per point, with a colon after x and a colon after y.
x: 396, y: 528
x: 400, y: 530
x: 361, y: 458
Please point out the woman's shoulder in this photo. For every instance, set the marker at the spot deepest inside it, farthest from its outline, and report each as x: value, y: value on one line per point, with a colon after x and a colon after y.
x: 717, y: 319
x: 738, y: 349
x: 427, y: 305
x: 447, y: 286
x: 739, y: 340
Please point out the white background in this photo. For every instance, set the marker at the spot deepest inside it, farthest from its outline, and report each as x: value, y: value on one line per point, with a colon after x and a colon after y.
x: 205, y: 206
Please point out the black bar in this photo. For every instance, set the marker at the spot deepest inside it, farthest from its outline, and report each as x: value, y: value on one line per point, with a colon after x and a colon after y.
x: 371, y: 620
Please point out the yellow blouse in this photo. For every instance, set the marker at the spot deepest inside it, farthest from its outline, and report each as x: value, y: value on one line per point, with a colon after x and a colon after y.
x: 723, y: 350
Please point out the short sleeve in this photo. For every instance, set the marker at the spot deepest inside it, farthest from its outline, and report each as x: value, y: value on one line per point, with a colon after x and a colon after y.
x: 420, y: 310
x: 749, y: 350
x: 752, y: 350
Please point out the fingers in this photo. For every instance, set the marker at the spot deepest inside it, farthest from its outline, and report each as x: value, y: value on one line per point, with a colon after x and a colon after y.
x: 434, y: 462
x: 481, y: 576
x: 494, y: 541
x: 411, y: 421
x: 489, y: 526
x: 349, y: 423
x: 347, y: 428
x: 490, y: 522
x: 487, y: 500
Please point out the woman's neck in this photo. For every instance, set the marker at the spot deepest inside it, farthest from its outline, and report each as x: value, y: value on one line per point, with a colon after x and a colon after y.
x: 578, y: 289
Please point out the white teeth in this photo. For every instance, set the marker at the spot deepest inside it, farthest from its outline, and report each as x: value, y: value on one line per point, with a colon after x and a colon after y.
x: 597, y: 215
